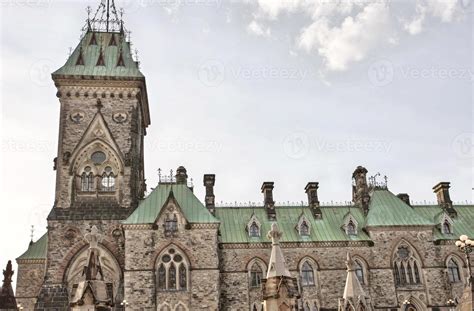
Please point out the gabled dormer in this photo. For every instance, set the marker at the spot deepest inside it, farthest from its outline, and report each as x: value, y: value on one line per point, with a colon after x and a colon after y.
x: 446, y: 224
x: 350, y: 225
x: 304, y: 226
x: 253, y: 227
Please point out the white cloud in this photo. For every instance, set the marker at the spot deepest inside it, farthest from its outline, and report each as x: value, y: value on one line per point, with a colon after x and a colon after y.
x: 349, y: 42
x: 257, y: 29
x: 343, y: 32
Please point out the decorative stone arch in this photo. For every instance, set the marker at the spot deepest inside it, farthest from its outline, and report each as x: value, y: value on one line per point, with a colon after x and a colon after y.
x: 305, y: 266
x: 110, y: 268
x: 180, y: 307
x: 360, y: 261
x: 82, y: 158
x: 460, y: 266
x: 415, y: 303
x: 256, y: 271
x: 164, y: 307
x: 407, y: 264
x: 446, y: 224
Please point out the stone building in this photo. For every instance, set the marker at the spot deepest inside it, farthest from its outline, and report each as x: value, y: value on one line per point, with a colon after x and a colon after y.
x: 170, y: 251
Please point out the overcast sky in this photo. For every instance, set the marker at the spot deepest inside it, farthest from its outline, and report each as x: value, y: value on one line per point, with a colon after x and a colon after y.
x: 288, y: 91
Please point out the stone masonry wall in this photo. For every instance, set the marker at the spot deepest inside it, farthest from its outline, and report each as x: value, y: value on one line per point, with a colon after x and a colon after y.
x: 29, y: 281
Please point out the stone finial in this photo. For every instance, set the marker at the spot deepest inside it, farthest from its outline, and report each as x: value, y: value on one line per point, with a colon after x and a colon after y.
x: 93, y: 268
x: 354, y: 297
x: 93, y: 238
x: 274, y: 234
x: 181, y: 175
x: 8, y: 274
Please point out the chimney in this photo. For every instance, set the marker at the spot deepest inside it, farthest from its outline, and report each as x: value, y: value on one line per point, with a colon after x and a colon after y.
x: 311, y: 190
x: 442, y: 194
x: 360, y: 190
x: 209, y: 181
x: 404, y: 197
x: 267, y: 190
x: 181, y: 176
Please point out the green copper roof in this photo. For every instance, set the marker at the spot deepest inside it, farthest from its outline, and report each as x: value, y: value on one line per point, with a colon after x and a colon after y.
x: 90, y: 48
x: 234, y: 223
x: 462, y: 224
x: 150, y: 207
x: 386, y: 209
x: 36, y: 250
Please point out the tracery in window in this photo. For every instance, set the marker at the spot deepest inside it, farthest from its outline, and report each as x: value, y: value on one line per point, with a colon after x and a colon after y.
x: 406, y: 266
x: 87, y: 180
x: 307, y: 274
x: 173, y: 271
x: 108, y: 180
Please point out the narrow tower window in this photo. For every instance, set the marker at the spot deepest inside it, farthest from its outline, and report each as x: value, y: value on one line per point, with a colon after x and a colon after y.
x: 307, y: 274
x: 453, y: 272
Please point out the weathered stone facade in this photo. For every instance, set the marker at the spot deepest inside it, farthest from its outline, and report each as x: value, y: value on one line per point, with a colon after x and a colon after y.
x: 170, y: 252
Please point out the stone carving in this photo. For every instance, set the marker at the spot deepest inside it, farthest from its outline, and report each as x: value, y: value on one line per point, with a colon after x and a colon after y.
x: 120, y: 117
x: 77, y: 116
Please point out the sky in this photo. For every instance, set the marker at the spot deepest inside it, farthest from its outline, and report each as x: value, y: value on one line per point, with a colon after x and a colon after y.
x: 289, y: 91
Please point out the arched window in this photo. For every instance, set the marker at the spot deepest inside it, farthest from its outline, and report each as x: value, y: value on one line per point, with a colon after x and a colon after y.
x: 173, y: 271
x: 453, y: 271
x: 256, y: 275
x: 108, y: 180
x: 406, y: 266
x: 254, y: 230
x: 87, y: 180
x: 306, y: 307
x: 359, y: 271
x: 304, y: 228
x: 171, y: 224
x: 307, y: 274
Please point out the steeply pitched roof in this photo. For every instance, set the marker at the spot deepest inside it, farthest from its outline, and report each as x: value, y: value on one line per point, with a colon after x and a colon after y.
x: 149, y: 209
x: 96, y: 47
x: 386, y: 209
x: 36, y: 250
x: 234, y: 222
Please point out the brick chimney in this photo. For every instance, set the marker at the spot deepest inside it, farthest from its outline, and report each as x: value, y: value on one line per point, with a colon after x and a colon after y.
x: 181, y: 176
x: 404, y: 197
x: 209, y: 181
x: 311, y: 190
x: 360, y: 190
x: 442, y: 194
x: 267, y: 190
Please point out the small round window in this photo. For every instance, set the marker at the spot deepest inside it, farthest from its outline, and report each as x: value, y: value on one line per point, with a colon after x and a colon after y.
x: 98, y: 157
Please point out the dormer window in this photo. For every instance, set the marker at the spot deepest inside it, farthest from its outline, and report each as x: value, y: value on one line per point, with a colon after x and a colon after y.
x: 254, y: 231
x: 303, y: 226
x: 350, y: 225
x: 351, y: 228
x: 253, y: 227
x: 446, y: 224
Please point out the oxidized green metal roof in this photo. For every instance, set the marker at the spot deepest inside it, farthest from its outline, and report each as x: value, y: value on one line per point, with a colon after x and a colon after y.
x: 462, y: 224
x: 90, y: 57
x: 234, y: 223
x: 36, y: 250
x: 148, y: 210
x: 386, y: 209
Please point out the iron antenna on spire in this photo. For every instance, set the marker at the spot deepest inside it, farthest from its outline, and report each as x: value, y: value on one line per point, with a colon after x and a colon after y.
x: 32, y: 234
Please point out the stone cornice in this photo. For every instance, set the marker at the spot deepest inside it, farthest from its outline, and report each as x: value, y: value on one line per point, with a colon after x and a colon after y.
x: 31, y: 261
x: 296, y: 244
x: 150, y: 226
